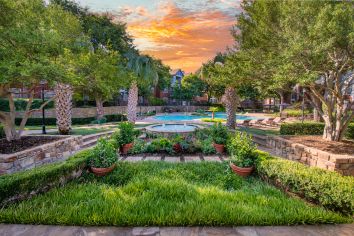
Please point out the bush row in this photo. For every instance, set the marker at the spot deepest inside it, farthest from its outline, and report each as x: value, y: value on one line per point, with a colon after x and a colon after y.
x: 310, y: 128
x: 21, y: 103
x: 75, y: 121
x: 327, y: 188
x: 22, y: 185
x: 2, y: 132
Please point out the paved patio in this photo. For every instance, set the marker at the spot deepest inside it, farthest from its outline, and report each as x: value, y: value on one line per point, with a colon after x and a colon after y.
x: 307, y: 230
x: 175, y: 159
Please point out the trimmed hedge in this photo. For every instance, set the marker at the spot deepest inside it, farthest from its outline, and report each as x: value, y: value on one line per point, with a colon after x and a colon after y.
x: 22, y: 185
x: 75, y: 121
x: 310, y: 128
x: 298, y: 128
x: 323, y: 187
x: 21, y: 103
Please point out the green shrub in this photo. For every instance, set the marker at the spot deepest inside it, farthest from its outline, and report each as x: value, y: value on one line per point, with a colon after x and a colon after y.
x: 21, y: 103
x: 242, y: 150
x: 2, y: 131
x: 206, y: 146
x: 323, y: 187
x: 350, y: 131
x: 23, y: 184
x: 100, y: 121
x: 219, y: 133
x: 138, y: 147
x: 153, y: 101
x: 116, y: 117
x: 215, y: 120
x: 294, y: 112
x: 217, y: 108
x: 103, y: 154
x: 127, y: 132
x: 160, y: 145
x: 298, y: 128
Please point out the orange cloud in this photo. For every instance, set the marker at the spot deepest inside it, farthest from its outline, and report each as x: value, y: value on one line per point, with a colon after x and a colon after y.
x: 181, y: 38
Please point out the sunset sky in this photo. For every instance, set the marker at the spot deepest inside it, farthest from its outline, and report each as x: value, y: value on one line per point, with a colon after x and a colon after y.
x: 183, y: 33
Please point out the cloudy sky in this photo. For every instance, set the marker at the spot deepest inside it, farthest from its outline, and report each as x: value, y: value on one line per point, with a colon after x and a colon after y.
x: 183, y: 33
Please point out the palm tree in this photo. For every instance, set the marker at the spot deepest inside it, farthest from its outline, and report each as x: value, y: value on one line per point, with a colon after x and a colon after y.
x: 145, y: 71
x: 63, y: 107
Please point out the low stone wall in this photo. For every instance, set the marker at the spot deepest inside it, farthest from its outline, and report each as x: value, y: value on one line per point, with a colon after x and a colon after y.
x: 50, y: 152
x: 91, y: 111
x: 285, y: 148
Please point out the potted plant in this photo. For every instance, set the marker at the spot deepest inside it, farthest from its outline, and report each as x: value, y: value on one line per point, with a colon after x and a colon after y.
x: 125, y: 137
x: 242, y: 154
x: 219, y: 134
x: 103, y: 158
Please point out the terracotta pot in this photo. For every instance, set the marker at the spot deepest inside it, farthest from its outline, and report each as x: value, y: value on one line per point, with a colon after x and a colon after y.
x: 219, y: 147
x: 177, y: 147
x: 241, y: 171
x: 126, y: 148
x: 102, y: 171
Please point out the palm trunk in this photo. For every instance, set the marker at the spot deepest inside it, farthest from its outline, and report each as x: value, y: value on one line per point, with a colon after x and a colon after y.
x: 132, y: 102
x: 99, y: 109
x: 63, y: 107
x: 230, y: 99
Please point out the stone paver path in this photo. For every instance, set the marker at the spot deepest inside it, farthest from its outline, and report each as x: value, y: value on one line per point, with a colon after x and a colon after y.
x: 307, y: 230
x: 175, y: 159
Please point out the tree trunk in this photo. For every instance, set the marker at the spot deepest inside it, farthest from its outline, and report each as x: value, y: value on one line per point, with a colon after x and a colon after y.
x: 63, y: 107
x: 231, y: 100
x: 316, y: 115
x: 212, y: 115
x: 99, y: 109
x: 132, y: 102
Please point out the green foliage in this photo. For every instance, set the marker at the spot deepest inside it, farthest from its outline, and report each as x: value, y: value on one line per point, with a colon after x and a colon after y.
x: 100, y: 121
x: 23, y: 184
x: 219, y: 133
x: 298, y: 128
x: 138, y: 147
x: 215, y: 120
x: 242, y: 150
x: 217, y: 108
x: 160, y: 145
x: 350, y: 131
x: 153, y: 101
x: 21, y: 104
x: 167, y: 194
x: 295, y: 112
x: 323, y: 187
x: 207, y: 146
x: 2, y: 131
x: 103, y: 154
x: 125, y: 135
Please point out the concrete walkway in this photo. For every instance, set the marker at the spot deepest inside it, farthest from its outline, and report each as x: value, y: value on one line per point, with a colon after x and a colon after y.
x: 47, y: 230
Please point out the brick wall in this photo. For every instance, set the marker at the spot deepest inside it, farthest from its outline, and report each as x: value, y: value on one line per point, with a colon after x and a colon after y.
x: 50, y: 152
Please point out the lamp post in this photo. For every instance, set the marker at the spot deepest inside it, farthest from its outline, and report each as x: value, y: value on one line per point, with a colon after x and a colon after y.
x: 303, y: 105
x: 43, y: 82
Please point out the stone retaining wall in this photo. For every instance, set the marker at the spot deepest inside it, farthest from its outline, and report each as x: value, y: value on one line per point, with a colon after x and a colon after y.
x: 285, y: 148
x: 50, y: 152
x: 91, y: 111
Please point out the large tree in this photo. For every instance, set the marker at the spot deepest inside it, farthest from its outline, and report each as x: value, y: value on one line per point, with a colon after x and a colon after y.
x: 306, y: 42
x: 99, y: 74
x: 32, y: 38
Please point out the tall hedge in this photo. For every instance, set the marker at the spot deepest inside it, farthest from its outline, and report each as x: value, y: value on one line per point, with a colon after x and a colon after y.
x: 323, y: 187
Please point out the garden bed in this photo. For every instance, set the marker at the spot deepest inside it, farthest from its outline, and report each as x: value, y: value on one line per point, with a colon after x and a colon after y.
x: 26, y: 142
x: 344, y: 147
x: 164, y: 194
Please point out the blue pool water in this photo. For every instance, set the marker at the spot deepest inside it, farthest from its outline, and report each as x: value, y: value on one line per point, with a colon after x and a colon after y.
x: 173, y: 128
x: 186, y: 117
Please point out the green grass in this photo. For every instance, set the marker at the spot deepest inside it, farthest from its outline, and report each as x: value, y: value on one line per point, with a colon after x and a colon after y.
x: 258, y: 131
x: 85, y: 131
x: 166, y: 194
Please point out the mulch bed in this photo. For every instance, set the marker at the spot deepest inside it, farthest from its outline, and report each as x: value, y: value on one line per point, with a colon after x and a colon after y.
x: 24, y: 143
x: 344, y: 147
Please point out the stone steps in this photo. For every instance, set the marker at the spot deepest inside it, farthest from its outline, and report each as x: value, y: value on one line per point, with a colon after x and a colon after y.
x: 89, y: 141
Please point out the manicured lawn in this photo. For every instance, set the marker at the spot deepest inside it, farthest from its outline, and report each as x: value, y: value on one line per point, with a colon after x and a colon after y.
x: 86, y: 131
x: 166, y: 194
x: 258, y: 131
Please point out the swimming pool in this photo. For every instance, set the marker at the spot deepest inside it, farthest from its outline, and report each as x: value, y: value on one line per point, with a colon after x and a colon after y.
x: 187, y: 117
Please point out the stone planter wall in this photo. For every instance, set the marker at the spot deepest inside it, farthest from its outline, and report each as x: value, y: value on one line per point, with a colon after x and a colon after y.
x: 91, y: 111
x: 343, y: 164
x: 50, y: 152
